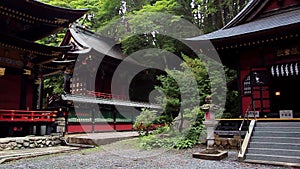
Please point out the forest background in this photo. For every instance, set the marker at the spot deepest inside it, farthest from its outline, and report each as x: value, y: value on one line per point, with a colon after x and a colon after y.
x: 206, y: 15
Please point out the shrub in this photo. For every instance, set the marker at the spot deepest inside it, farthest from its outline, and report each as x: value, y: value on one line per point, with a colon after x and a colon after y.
x: 165, y: 137
x: 144, y: 121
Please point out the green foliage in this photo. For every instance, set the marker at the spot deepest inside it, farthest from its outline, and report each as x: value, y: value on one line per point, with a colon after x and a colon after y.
x: 145, y: 121
x: 193, y: 81
x: 191, y: 138
x: 54, y: 85
x: 212, y: 15
x: 152, y: 141
x: 160, y: 6
x: 53, y: 40
x: 165, y: 137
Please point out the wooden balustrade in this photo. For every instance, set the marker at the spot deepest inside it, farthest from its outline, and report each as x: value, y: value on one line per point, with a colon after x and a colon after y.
x: 27, y: 116
x: 105, y: 95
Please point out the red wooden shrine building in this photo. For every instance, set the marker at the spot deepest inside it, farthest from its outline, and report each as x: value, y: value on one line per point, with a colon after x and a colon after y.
x: 85, y: 59
x: 91, y: 66
x: 24, y: 63
x: 262, y: 44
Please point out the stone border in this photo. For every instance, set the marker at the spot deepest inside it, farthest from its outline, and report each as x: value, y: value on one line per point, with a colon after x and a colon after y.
x: 17, y: 143
x: 207, y: 156
x: 227, y: 143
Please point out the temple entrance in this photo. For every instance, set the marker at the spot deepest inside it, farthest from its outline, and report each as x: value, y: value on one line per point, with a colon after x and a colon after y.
x: 285, y: 93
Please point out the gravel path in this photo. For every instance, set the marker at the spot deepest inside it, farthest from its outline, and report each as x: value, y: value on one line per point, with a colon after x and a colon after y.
x: 125, y: 155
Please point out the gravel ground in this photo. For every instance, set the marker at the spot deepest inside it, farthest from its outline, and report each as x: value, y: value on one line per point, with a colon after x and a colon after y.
x: 125, y: 155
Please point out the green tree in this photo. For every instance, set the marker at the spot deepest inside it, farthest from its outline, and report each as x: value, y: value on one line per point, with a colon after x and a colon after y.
x: 211, y: 15
x: 54, y: 85
x: 193, y: 69
x: 145, y: 120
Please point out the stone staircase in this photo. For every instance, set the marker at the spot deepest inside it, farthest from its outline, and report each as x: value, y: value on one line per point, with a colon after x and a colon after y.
x: 276, y: 143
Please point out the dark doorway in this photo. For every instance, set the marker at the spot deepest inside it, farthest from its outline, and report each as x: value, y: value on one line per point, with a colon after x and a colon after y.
x: 285, y: 93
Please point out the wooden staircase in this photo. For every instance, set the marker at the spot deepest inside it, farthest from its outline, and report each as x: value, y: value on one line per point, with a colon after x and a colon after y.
x: 276, y: 143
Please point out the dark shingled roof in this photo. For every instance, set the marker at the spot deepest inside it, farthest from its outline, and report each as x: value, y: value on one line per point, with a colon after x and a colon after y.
x: 270, y: 22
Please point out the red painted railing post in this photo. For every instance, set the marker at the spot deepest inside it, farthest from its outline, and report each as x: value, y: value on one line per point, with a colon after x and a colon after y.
x: 32, y: 115
x: 12, y: 115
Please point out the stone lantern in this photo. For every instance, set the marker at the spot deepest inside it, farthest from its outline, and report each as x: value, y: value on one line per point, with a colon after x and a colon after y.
x: 210, y: 121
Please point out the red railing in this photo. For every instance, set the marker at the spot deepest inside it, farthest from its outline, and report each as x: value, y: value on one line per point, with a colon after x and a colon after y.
x: 27, y: 116
x: 105, y: 95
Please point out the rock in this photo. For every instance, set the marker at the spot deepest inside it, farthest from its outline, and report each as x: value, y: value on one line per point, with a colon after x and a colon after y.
x: 26, y: 144
x: 236, y: 137
x: 31, y: 145
x: 224, y: 142
x: 57, y: 142
x: 32, y: 139
x: 179, y: 123
x: 39, y: 141
x: 4, y: 141
x: 20, y: 141
x: 48, y: 143
x: 232, y: 142
x: 13, y: 144
x: 217, y: 142
x: 55, y: 137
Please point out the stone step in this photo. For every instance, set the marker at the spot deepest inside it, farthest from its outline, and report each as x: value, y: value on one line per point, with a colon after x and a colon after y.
x: 273, y: 163
x: 287, y: 129
x: 274, y: 145
x: 280, y: 152
x: 278, y: 124
x: 276, y: 134
x: 275, y: 158
x: 291, y: 140
x: 100, y: 138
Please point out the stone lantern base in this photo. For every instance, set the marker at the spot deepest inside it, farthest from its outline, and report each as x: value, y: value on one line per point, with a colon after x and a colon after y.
x: 210, y: 127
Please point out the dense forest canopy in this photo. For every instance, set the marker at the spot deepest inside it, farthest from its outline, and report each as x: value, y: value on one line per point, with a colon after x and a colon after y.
x: 208, y: 15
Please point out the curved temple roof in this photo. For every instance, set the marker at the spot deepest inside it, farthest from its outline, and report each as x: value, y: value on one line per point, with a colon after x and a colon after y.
x: 33, y: 20
x: 252, y: 19
x: 25, y: 21
x: 101, y: 44
x: 267, y: 23
x: 85, y: 41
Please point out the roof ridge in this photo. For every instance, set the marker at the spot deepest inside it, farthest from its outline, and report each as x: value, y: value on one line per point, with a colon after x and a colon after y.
x: 254, y: 6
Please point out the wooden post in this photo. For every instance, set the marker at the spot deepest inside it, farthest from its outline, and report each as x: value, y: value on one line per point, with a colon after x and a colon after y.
x: 93, y: 121
x: 23, y: 92
x: 115, y: 119
x: 40, y: 93
x: 67, y: 78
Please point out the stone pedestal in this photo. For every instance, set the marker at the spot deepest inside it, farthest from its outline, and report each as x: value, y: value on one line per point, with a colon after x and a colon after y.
x: 61, y: 125
x: 210, y: 124
x: 210, y: 127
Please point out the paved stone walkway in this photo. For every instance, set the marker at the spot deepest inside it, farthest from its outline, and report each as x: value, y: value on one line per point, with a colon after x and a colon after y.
x: 74, y: 139
x: 10, y: 155
x: 100, y: 138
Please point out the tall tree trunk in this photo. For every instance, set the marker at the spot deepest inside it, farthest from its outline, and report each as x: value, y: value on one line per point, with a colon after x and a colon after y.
x: 222, y: 13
